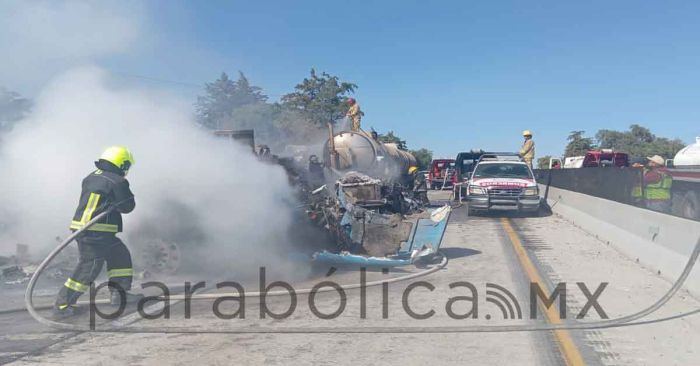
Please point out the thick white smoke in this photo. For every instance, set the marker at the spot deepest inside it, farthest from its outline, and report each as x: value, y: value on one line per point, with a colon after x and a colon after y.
x: 208, y: 193
x: 42, y: 38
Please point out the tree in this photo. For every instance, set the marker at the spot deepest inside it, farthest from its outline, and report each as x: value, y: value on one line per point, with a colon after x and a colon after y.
x: 223, y: 96
x: 13, y: 108
x: 391, y: 138
x: 423, y: 157
x: 638, y: 141
x: 578, y: 145
x: 321, y: 99
x: 246, y: 94
x: 543, y: 162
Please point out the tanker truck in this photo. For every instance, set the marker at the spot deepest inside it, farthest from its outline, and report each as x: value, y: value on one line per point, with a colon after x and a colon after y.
x: 685, y: 191
x: 359, y: 151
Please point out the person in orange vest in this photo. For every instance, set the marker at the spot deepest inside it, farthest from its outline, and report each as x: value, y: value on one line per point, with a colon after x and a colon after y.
x: 355, y: 114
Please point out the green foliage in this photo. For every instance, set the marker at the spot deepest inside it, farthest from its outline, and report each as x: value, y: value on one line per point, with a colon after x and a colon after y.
x: 578, y: 145
x: 638, y: 141
x: 423, y: 157
x: 223, y: 96
x: 321, y: 99
x: 391, y: 138
x: 543, y: 162
x: 13, y: 108
x: 300, y: 117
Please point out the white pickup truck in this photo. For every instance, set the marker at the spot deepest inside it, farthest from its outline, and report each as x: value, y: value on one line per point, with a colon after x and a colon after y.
x: 502, y: 184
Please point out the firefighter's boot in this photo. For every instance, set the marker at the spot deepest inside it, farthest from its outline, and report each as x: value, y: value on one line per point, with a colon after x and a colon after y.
x: 67, y: 311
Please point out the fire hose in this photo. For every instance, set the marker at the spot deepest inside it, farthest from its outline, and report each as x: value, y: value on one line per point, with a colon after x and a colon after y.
x: 33, y: 311
x: 628, y: 320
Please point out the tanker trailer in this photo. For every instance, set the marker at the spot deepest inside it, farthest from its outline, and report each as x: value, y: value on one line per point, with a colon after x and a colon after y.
x: 685, y: 191
x: 358, y: 151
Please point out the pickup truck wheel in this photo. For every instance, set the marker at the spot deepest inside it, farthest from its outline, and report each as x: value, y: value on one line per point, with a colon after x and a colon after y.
x: 690, y: 208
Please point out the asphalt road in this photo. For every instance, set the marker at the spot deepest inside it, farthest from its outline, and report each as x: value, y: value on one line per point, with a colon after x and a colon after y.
x: 492, y: 253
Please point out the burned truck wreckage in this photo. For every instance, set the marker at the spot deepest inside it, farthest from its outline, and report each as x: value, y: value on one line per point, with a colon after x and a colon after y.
x: 374, y: 224
x: 360, y: 202
x: 359, y: 206
x: 375, y: 212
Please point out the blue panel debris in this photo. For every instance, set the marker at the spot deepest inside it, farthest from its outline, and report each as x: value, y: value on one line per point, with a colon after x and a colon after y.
x: 347, y: 259
x: 424, y: 242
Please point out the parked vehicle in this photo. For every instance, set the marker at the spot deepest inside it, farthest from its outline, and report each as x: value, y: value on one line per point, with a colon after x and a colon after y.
x: 685, y: 191
x: 502, y: 156
x: 442, y: 174
x: 464, y: 166
x: 593, y: 159
x: 502, y: 184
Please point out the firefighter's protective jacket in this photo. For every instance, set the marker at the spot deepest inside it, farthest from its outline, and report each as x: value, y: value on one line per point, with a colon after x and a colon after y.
x: 527, y: 152
x: 103, y: 188
x: 355, y: 115
x: 354, y: 111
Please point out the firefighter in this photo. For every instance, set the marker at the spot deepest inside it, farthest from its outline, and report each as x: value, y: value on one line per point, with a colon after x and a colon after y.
x: 527, y: 151
x: 657, y: 186
x: 410, y: 178
x: 355, y: 114
x: 102, y: 189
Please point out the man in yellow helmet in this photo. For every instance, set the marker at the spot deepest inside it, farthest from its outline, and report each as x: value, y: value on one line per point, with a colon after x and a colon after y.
x: 102, y: 189
x: 527, y: 151
x: 409, y: 178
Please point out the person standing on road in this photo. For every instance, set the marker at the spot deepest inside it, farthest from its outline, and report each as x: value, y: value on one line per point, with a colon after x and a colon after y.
x: 103, y: 189
x: 657, y: 185
x: 527, y: 151
x: 355, y: 114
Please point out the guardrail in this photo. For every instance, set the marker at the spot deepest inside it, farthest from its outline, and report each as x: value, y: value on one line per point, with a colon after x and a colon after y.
x: 659, y: 241
x: 619, y: 185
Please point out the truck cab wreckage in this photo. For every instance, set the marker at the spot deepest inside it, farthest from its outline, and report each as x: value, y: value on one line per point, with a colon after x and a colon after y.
x: 373, y: 211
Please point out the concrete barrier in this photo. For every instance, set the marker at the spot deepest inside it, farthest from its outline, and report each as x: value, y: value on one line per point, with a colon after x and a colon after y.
x: 658, y: 241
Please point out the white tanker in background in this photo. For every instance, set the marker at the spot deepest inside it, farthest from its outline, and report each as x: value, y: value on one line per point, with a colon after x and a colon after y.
x: 685, y: 191
x: 360, y: 151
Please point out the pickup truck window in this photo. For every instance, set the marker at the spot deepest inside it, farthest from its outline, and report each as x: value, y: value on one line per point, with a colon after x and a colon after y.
x: 502, y: 170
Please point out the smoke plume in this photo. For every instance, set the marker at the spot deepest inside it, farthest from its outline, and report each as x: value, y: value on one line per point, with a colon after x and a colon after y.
x: 223, y: 208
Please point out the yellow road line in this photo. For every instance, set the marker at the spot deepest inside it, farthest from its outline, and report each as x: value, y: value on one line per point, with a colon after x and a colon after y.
x: 566, y: 344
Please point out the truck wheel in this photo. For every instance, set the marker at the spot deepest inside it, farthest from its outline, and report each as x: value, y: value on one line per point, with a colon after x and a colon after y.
x: 690, y: 208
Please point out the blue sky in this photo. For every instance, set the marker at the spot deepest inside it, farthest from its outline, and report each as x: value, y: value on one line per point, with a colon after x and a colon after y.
x: 448, y: 76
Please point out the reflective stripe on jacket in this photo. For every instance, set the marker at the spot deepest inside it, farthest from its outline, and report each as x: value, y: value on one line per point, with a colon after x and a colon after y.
x: 657, y: 190
x: 661, y: 190
x: 101, y: 189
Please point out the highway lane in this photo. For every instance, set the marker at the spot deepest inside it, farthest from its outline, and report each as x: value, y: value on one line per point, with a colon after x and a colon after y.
x: 482, y: 251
